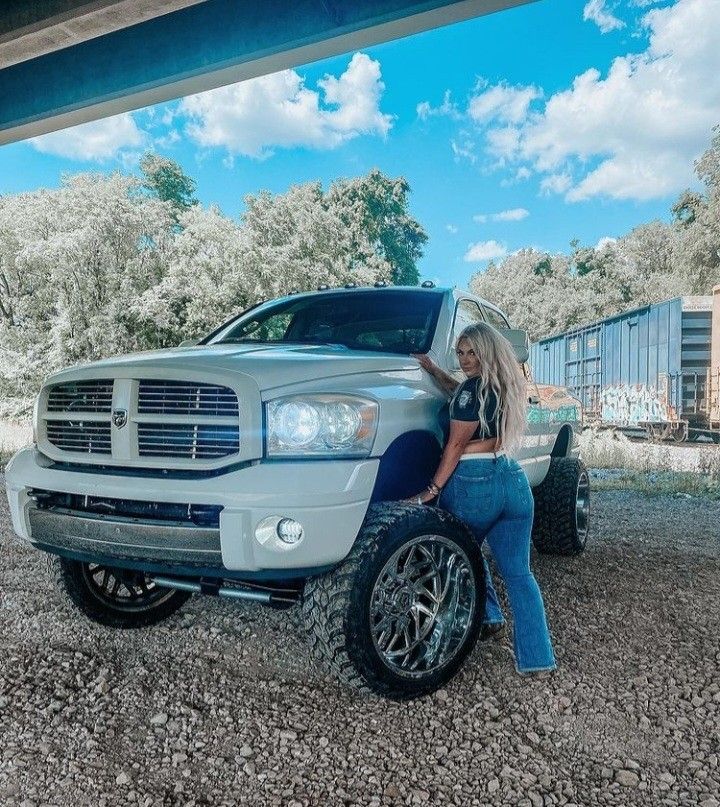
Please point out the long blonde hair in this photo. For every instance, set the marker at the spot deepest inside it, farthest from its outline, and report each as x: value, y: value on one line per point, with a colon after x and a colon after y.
x: 500, y: 372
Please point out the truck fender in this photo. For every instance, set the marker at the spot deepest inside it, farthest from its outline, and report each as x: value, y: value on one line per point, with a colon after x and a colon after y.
x: 407, y: 466
x: 563, y: 442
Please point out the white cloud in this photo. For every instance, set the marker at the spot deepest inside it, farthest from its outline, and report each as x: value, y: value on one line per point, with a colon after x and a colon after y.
x: 279, y: 111
x: 523, y: 173
x: 635, y: 177
x: 424, y: 110
x: 464, y: 149
x: 96, y: 141
x: 596, y: 12
x: 168, y: 140
x: 484, y: 251
x: 516, y: 214
x: 169, y: 115
x: 635, y: 133
x: 555, y: 183
x: 448, y: 108
x: 451, y: 228
x: 606, y: 241
x: 503, y: 142
x: 502, y: 102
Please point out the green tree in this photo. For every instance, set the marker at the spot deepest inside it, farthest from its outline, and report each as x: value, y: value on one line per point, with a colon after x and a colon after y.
x: 377, y: 206
x: 165, y: 179
x: 708, y: 166
x: 582, y: 258
x: 73, y: 262
x: 685, y: 210
x: 697, y: 255
x: 544, y: 267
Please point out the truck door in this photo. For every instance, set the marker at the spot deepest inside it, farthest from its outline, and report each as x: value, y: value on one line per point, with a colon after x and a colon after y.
x: 467, y: 312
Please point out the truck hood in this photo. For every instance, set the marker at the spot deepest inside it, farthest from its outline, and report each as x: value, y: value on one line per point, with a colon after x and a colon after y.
x: 269, y: 366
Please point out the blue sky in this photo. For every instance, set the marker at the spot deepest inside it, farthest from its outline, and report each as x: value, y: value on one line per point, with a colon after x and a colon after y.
x: 560, y: 119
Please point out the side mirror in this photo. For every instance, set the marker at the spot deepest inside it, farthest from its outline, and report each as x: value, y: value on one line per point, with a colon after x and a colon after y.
x: 189, y: 342
x: 519, y: 341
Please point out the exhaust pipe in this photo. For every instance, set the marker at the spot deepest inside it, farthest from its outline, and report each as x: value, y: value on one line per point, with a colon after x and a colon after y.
x: 264, y: 597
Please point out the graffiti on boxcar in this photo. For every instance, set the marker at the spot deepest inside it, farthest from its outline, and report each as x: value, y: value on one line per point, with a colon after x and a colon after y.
x: 563, y: 414
x: 630, y: 404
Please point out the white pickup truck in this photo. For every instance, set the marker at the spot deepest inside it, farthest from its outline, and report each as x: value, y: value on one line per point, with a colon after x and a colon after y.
x: 266, y: 463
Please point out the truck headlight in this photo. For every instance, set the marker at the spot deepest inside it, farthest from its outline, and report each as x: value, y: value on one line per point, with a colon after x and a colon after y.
x: 321, y: 425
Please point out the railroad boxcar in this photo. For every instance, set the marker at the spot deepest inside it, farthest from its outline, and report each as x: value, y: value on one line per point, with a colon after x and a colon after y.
x: 714, y: 374
x: 654, y: 369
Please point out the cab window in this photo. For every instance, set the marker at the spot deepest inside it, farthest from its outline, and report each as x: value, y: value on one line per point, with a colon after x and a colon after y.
x: 495, y: 318
x: 467, y: 313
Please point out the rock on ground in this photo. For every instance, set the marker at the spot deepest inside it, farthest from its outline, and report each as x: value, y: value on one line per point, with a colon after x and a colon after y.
x: 220, y: 705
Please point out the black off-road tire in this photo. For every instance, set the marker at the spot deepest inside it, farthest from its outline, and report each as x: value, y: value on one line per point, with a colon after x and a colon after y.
x: 74, y: 578
x: 561, y: 525
x: 336, y: 607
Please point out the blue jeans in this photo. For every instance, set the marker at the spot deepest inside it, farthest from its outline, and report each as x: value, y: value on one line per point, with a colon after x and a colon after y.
x: 493, y: 497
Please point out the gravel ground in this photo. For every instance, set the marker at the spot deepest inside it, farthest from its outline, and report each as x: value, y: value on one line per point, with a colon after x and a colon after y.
x: 221, y: 706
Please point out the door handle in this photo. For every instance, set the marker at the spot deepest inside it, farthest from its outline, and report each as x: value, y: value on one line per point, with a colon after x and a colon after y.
x: 533, y: 399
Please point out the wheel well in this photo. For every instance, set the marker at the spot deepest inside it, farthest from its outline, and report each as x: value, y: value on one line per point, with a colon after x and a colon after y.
x: 407, y: 466
x: 562, y: 442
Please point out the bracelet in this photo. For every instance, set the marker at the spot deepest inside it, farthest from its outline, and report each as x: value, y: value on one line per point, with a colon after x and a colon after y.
x: 434, y: 489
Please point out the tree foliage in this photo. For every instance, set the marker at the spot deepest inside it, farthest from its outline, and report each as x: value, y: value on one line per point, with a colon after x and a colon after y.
x: 165, y: 179
x: 110, y: 264
x: 377, y: 207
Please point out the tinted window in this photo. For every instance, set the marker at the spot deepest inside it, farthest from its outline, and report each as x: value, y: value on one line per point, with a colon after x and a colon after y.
x: 387, y: 321
x: 496, y: 319
x: 467, y: 313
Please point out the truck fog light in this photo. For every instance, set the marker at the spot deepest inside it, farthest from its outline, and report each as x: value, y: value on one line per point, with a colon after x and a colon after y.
x: 279, y: 533
x: 289, y: 531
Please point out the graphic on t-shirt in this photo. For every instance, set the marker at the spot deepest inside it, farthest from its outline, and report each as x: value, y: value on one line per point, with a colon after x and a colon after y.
x: 464, y: 399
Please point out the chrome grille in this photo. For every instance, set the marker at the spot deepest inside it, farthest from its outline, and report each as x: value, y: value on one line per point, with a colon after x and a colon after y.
x: 192, y: 441
x: 151, y: 422
x: 81, y: 396
x: 186, y: 398
x: 92, y: 437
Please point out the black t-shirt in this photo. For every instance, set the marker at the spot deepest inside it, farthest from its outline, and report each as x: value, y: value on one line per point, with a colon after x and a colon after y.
x: 465, y: 405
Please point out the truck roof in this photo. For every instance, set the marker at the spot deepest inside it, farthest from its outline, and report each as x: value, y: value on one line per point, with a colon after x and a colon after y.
x: 394, y: 289
x: 444, y: 290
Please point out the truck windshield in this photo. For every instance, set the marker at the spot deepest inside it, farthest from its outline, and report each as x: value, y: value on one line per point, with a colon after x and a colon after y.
x: 387, y: 321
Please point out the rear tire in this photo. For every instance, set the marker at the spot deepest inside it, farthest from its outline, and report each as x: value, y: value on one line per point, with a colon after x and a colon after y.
x: 399, y: 616
x: 117, y: 598
x: 562, y: 508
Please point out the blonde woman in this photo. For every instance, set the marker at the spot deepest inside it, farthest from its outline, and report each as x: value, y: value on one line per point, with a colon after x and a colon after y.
x: 479, y: 483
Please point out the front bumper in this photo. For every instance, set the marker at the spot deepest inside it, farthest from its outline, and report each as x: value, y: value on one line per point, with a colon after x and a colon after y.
x: 329, y: 498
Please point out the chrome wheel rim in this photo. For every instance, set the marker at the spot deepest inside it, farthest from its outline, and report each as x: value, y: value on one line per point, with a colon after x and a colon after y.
x: 422, y: 606
x: 123, y: 590
x: 582, y: 506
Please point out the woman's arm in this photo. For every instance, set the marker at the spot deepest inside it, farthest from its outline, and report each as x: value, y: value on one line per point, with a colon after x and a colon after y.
x: 445, y: 380
x: 461, y: 432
